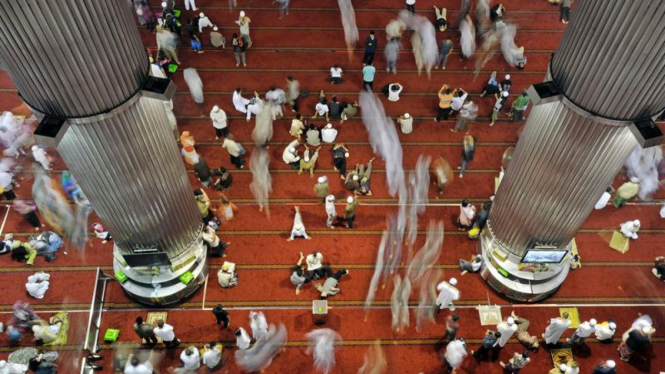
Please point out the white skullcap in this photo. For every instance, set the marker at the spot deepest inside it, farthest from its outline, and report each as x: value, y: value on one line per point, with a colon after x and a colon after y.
x: 636, y: 222
x: 355, y: 178
x: 452, y: 281
x: 215, y: 28
x: 647, y: 330
x: 203, y: 15
x: 292, y: 150
x: 242, y: 13
x: 610, y: 364
x: 346, y: 154
x: 34, y: 148
x: 164, y: 4
x: 32, y: 279
x: 593, y: 322
x: 330, y: 198
x: 407, y: 115
x: 329, y: 126
x: 504, y: 93
x: 563, y: 367
x: 3, y: 363
x: 612, y: 326
x: 507, y: 76
x: 635, y: 179
x: 510, y: 321
x: 323, y: 179
x: 215, y: 108
x: 349, y: 199
x: 306, y: 157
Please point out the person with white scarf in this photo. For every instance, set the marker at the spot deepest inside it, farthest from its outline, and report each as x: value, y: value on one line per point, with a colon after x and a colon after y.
x: 258, y: 324
x: 298, y: 229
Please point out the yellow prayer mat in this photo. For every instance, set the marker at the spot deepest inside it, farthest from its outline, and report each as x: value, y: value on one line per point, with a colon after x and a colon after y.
x: 153, y: 317
x: 561, y: 356
x: 573, y: 315
x: 619, y: 242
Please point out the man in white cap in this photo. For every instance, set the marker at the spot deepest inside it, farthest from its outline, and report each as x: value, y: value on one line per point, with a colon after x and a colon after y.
x: 405, y: 123
x: 629, y: 229
x: 39, y: 154
x: 556, y: 328
x: 584, y: 330
x: 290, y: 155
x: 298, y: 229
x: 204, y: 22
x: 38, y: 285
x: 605, y: 331
x: 216, y: 38
x: 218, y: 117
x: 308, y: 163
x: 330, y: 211
x: 321, y: 188
x: 447, y: 294
x: 561, y: 369
x: 507, y: 328
x: 328, y: 134
x: 607, y: 367
x: 243, y: 21
x: 350, y: 210
x: 498, y: 105
x: 239, y: 102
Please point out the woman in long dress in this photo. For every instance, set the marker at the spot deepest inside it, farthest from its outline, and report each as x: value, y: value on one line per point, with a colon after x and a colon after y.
x: 194, y: 83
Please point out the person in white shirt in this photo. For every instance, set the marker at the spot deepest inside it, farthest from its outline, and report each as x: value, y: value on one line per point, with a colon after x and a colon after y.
x: 38, y: 284
x: 455, y: 353
x: 447, y: 294
x: 321, y: 109
x: 604, y: 199
x: 394, y: 90
x: 258, y: 324
x: 328, y: 134
x: 277, y: 98
x: 134, y: 366
x: 212, y: 355
x: 239, y: 102
x: 330, y: 211
x: 298, y: 229
x: 507, y: 328
x: 335, y: 75
x: 584, y: 330
x: 204, y: 22
x: 255, y: 106
x: 190, y: 359
x: 458, y: 100
x: 556, y: 328
x: 218, y: 117
x: 314, y: 263
x: 472, y: 266
x: 405, y: 123
x: 630, y: 228
x: 242, y: 339
x: 605, y: 331
x: 167, y: 334
x: 290, y: 155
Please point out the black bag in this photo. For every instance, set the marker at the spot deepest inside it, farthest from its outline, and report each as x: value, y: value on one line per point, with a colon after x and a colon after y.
x: 50, y: 257
x: 304, y: 94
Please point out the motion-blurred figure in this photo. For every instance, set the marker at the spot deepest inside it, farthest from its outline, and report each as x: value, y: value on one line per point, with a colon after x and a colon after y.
x: 322, y: 346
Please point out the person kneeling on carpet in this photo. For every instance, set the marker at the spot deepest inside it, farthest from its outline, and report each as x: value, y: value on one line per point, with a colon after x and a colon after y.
x: 298, y: 229
x: 659, y: 268
x: 299, y: 275
x: 227, y: 275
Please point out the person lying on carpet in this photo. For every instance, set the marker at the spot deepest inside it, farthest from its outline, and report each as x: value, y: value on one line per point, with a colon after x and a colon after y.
x: 529, y: 341
x: 38, y: 284
x: 331, y: 286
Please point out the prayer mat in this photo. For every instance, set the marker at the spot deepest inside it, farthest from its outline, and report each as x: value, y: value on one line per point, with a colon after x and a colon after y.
x: 619, y: 242
x: 573, y: 315
x: 490, y: 315
x: 561, y: 356
x: 152, y: 319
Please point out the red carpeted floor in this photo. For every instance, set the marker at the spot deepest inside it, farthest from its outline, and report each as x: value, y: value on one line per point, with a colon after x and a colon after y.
x: 305, y: 44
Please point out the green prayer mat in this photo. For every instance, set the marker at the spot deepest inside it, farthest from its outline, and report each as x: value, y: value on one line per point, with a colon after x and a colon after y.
x: 573, y: 315
x: 64, y: 329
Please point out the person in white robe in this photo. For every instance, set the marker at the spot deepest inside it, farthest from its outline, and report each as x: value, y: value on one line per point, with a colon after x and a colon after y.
x: 348, y: 15
x: 584, y: 330
x: 277, y: 98
x: 191, y: 361
x: 605, y: 331
x: 298, y: 229
x: 242, y: 339
x: 330, y: 211
x: 455, y: 353
x: 258, y: 324
x: 467, y: 37
x: 322, y: 346
x: 194, y: 83
x: 212, y: 355
x: 329, y: 134
x: 643, y: 164
x: 39, y: 154
x: 38, y: 284
x: 204, y: 22
x: 507, y: 328
x: 261, y: 354
x: 218, y: 117
x: 255, y: 106
x: 629, y: 229
x: 447, y: 294
x: 556, y: 328
x: 513, y: 54
x: 261, y: 184
x: 239, y: 102
x: 374, y: 361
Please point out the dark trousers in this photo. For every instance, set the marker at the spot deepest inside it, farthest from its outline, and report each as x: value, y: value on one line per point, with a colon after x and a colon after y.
x: 368, y: 85
x: 237, y: 161
x: 449, y: 336
x: 335, y: 80
x: 565, y: 14
x: 411, y: 8
x: 9, y: 195
x: 368, y: 57
x: 349, y: 221
x: 224, y: 321
x: 208, y: 217
x: 221, y: 132
x: 294, y: 105
x: 172, y: 344
x: 337, y: 275
x: 32, y: 219
x: 152, y: 339
x: 443, y: 113
x: 340, y: 164
x: 483, y: 352
x: 219, y: 250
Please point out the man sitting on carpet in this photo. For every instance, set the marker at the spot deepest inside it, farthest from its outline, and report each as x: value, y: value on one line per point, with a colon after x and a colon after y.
x: 659, y: 268
x: 331, y: 286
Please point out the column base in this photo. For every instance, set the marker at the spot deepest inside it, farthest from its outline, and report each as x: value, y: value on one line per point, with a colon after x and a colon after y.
x: 502, y: 272
x: 160, y: 286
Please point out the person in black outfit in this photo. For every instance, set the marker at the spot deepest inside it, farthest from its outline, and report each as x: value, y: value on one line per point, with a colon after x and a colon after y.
x: 481, y: 218
x: 39, y: 366
x: 659, y: 268
x: 371, y: 43
x: 339, y: 159
x: 487, y: 345
x: 334, y: 109
x: 221, y: 315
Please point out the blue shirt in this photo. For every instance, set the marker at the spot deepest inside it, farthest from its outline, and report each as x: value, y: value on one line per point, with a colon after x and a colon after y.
x: 368, y: 73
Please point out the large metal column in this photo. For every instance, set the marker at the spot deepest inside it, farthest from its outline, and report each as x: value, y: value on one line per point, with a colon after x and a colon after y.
x: 84, y: 62
x: 605, y: 76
